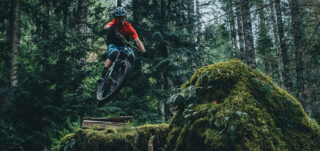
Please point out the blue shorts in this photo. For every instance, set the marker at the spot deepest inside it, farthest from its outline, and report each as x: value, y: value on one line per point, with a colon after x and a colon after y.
x: 113, y: 52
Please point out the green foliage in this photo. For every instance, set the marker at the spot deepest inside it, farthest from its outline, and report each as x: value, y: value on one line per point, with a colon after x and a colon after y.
x: 216, y: 43
x: 10, y: 139
x: 57, y: 135
x: 187, y: 97
x: 126, y: 138
x: 54, y: 91
x: 239, y: 109
x: 146, y: 90
x: 50, y: 92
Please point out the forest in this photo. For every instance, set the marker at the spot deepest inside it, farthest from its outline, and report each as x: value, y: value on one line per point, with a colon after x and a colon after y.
x: 53, y: 51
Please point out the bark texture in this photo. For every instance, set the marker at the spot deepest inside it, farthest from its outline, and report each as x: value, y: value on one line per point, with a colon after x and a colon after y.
x: 277, y: 44
x: 14, y: 38
x: 82, y: 33
x: 82, y: 27
x: 165, y: 51
x: 298, y: 40
x: 265, y: 50
x: 240, y: 32
x: 248, y: 37
x: 232, y: 29
x: 198, y: 23
x: 191, y: 19
x: 283, y: 45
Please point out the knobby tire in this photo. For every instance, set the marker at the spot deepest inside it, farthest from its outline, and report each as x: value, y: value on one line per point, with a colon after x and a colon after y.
x: 108, y: 85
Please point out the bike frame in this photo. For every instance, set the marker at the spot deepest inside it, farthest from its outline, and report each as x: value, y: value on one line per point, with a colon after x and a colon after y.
x: 114, y: 81
x: 117, y: 59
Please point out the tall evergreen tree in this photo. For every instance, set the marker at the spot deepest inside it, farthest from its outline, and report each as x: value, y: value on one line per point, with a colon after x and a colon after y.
x: 191, y: 19
x: 248, y: 36
x: 298, y: 42
x: 165, y: 52
x: 198, y: 17
x: 240, y: 31
x: 277, y: 44
x: 283, y: 44
x: 82, y: 33
x: 14, y: 38
x: 233, y: 34
x: 264, y: 43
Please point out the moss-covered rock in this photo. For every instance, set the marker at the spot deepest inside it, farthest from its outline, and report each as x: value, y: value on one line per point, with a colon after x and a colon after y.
x: 229, y: 106
x: 123, y: 139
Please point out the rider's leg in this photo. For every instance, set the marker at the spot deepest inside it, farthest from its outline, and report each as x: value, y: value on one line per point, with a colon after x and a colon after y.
x: 112, y: 53
x: 107, y: 65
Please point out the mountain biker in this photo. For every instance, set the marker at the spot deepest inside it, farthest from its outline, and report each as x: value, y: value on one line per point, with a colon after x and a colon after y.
x: 119, y: 26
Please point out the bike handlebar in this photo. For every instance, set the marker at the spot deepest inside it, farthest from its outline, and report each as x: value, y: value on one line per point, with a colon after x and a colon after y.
x: 123, y: 40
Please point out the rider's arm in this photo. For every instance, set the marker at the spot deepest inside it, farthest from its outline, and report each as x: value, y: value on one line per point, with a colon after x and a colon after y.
x: 106, y: 27
x: 140, y: 44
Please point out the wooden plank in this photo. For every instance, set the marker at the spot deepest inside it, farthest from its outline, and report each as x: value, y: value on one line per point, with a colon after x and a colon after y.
x: 101, y: 124
x: 110, y: 119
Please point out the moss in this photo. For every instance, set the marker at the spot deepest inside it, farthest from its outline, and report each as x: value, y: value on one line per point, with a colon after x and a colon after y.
x: 237, y: 108
x: 125, y: 139
x: 225, y: 106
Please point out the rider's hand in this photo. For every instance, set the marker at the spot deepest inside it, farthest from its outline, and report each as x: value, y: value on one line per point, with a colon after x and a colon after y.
x: 143, y: 51
x: 144, y: 54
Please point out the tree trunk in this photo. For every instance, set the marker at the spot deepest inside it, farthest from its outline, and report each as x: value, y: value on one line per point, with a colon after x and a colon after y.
x: 198, y: 24
x: 46, y: 19
x: 191, y: 29
x: 264, y: 41
x: 164, y: 49
x: 248, y: 37
x: 191, y: 20
x: 14, y: 37
x: 82, y: 18
x: 240, y: 32
x: 82, y: 27
x: 82, y: 33
x: 45, y: 32
x: 136, y: 15
x: 283, y: 45
x: 168, y: 109
x: 277, y: 44
x: 232, y: 29
x: 167, y: 81
x: 298, y: 40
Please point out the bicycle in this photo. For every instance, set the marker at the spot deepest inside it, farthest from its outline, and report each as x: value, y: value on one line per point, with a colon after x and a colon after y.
x: 113, y: 80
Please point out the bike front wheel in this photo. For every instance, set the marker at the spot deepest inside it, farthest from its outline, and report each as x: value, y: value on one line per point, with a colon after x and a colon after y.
x: 112, y: 83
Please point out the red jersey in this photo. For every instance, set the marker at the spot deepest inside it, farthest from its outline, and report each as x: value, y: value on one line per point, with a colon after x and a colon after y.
x: 126, y: 30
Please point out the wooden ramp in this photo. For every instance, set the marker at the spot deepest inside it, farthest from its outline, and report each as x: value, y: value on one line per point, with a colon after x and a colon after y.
x: 103, y: 122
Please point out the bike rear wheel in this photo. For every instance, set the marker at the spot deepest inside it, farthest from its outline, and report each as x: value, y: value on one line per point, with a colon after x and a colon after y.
x: 111, y: 84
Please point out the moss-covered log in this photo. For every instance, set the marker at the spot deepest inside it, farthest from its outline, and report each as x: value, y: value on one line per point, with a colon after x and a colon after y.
x: 229, y: 106
x: 123, y: 139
